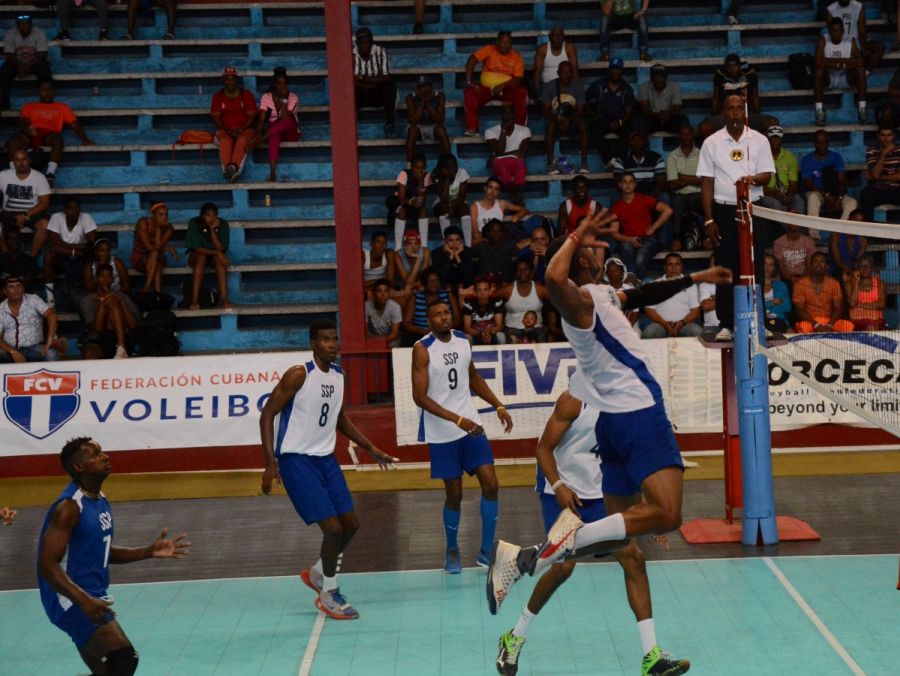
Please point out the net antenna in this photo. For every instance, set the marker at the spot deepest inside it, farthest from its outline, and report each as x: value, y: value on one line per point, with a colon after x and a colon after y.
x: 859, y: 370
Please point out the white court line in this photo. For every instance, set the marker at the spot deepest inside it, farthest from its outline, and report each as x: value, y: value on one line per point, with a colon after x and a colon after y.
x: 811, y: 614
x: 309, y: 656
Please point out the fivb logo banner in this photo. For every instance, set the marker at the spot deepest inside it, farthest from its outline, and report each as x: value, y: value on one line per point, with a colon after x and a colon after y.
x: 41, y: 402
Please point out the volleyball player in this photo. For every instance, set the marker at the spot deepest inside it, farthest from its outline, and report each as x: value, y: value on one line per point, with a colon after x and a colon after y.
x: 309, y: 399
x: 569, y: 476
x: 74, y: 553
x: 634, y: 436
x: 442, y: 376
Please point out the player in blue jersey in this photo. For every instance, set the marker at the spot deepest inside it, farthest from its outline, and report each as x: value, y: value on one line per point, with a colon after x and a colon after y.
x: 641, y: 461
x: 308, y: 402
x: 569, y: 477
x: 443, y: 377
x: 74, y: 553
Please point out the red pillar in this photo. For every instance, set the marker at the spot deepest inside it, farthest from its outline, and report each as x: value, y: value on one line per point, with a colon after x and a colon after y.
x: 347, y: 215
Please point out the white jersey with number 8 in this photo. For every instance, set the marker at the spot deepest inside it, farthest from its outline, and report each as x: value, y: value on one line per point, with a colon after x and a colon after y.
x: 307, y: 424
x: 448, y: 386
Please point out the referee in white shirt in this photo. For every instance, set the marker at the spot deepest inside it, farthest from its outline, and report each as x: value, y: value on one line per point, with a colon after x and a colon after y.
x: 733, y: 154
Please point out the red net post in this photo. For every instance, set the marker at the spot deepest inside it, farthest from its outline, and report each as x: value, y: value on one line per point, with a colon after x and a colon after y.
x: 745, y: 233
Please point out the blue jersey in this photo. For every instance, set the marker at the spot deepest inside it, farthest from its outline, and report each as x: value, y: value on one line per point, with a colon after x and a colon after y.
x: 86, y: 560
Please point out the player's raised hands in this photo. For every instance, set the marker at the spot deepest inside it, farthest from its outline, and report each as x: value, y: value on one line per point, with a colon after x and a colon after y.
x: 270, y: 474
x: 7, y: 516
x: 175, y: 548
x: 384, y: 460
x: 505, y: 418
x: 588, y: 227
x: 714, y: 275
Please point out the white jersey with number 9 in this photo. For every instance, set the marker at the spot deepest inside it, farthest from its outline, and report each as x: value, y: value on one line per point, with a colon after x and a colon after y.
x: 448, y: 386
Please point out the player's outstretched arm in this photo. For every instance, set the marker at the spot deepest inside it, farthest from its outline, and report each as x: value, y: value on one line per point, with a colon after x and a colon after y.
x: 565, y: 411
x: 348, y: 429
x: 53, y: 548
x: 479, y: 387
x: 655, y: 293
x: 574, y: 304
x: 160, y: 548
x: 284, y: 391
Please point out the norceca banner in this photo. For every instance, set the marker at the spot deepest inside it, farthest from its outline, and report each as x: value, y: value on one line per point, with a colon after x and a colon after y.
x: 529, y: 378
x: 136, y: 404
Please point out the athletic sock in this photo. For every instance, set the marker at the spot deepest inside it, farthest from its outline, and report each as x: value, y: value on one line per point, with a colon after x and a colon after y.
x: 609, y: 528
x: 465, y: 223
x: 444, y: 222
x: 399, y: 227
x: 317, y: 566
x: 648, y: 635
x: 52, y: 167
x: 451, y: 527
x: 423, y: 231
x: 862, y: 105
x: 820, y: 106
x: 521, y: 629
x: 49, y: 292
x: 489, y: 511
x: 330, y: 583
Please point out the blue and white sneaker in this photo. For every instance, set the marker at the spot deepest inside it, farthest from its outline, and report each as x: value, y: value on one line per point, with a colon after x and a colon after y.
x: 452, y: 563
x: 483, y: 560
x: 334, y: 604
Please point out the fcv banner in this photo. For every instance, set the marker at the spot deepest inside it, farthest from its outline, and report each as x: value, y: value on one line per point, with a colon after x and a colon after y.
x: 133, y: 404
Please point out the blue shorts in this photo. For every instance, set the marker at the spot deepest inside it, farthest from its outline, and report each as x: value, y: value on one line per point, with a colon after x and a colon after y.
x: 450, y: 459
x: 590, y: 510
x: 316, y: 485
x: 633, y: 446
x: 78, y: 626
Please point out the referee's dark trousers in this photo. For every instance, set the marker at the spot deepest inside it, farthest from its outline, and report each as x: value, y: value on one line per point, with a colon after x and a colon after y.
x: 727, y: 255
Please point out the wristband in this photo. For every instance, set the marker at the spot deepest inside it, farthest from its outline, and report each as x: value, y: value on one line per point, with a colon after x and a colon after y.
x: 709, y: 220
x: 575, y: 238
x: 459, y: 421
x: 501, y: 408
x: 556, y: 484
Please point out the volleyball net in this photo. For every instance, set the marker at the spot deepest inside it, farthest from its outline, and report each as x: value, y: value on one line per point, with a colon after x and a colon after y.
x: 840, y: 333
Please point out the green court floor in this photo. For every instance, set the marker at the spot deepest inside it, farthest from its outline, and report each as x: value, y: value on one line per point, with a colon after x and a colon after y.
x: 786, y: 615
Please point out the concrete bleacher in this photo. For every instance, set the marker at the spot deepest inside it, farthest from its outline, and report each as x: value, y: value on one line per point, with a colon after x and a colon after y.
x: 135, y: 97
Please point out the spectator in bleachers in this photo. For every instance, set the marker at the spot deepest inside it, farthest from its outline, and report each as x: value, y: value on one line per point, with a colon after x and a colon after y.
x: 531, y: 332
x: 846, y: 250
x: 25, y: 52
x: 734, y: 12
x: 824, y: 176
x: 549, y: 56
x: 374, y: 86
x: 418, y: 27
x: 509, y: 143
x: 483, y: 316
x: 22, y: 318
x: 793, y: 251
x: 521, y: 296
x: 278, y: 121
x: 112, y: 321
x: 135, y: 6
x: 502, y: 75
x: 631, y: 14
x: 678, y: 315
x: 151, y: 244
x: 883, y: 174
x: 640, y: 217
x: 866, y: 296
x: 494, y: 256
x: 234, y: 114
x: 781, y: 191
x: 26, y: 199
x: 536, y: 251
x: 410, y: 259
x: 426, y: 114
x: 888, y: 112
x: 490, y: 206
x: 71, y: 233
x: 453, y: 262
x: 777, y: 298
x: 610, y: 106
x: 452, y: 184
x: 683, y: 182
x: 853, y: 16
x: 818, y: 301
x: 839, y: 65
x: 415, y: 314
x: 120, y: 284
x: 660, y: 103
x: 207, y: 243
x: 14, y: 261
x: 563, y: 103
x: 649, y: 171
x: 64, y: 10
x: 42, y: 125
x: 736, y: 77
x: 383, y: 315
x: 617, y: 276
x: 579, y: 205
x: 408, y: 200
x: 378, y: 261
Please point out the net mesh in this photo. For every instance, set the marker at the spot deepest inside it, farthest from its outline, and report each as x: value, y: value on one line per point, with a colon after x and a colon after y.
x: 854, y: 361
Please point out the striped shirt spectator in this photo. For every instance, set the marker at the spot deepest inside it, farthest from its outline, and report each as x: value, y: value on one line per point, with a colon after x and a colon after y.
x: 648, y: 167
x: 883, y: 174
x: 377, y: 64
x: 373, y: 85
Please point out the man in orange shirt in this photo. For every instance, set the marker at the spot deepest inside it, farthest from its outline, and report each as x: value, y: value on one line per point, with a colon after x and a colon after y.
x: 501, y: 79
x: 818, y: 301
x: 42, y: 124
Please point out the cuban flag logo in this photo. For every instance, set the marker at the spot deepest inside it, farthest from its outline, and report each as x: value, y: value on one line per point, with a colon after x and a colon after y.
x: 41, y: 402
